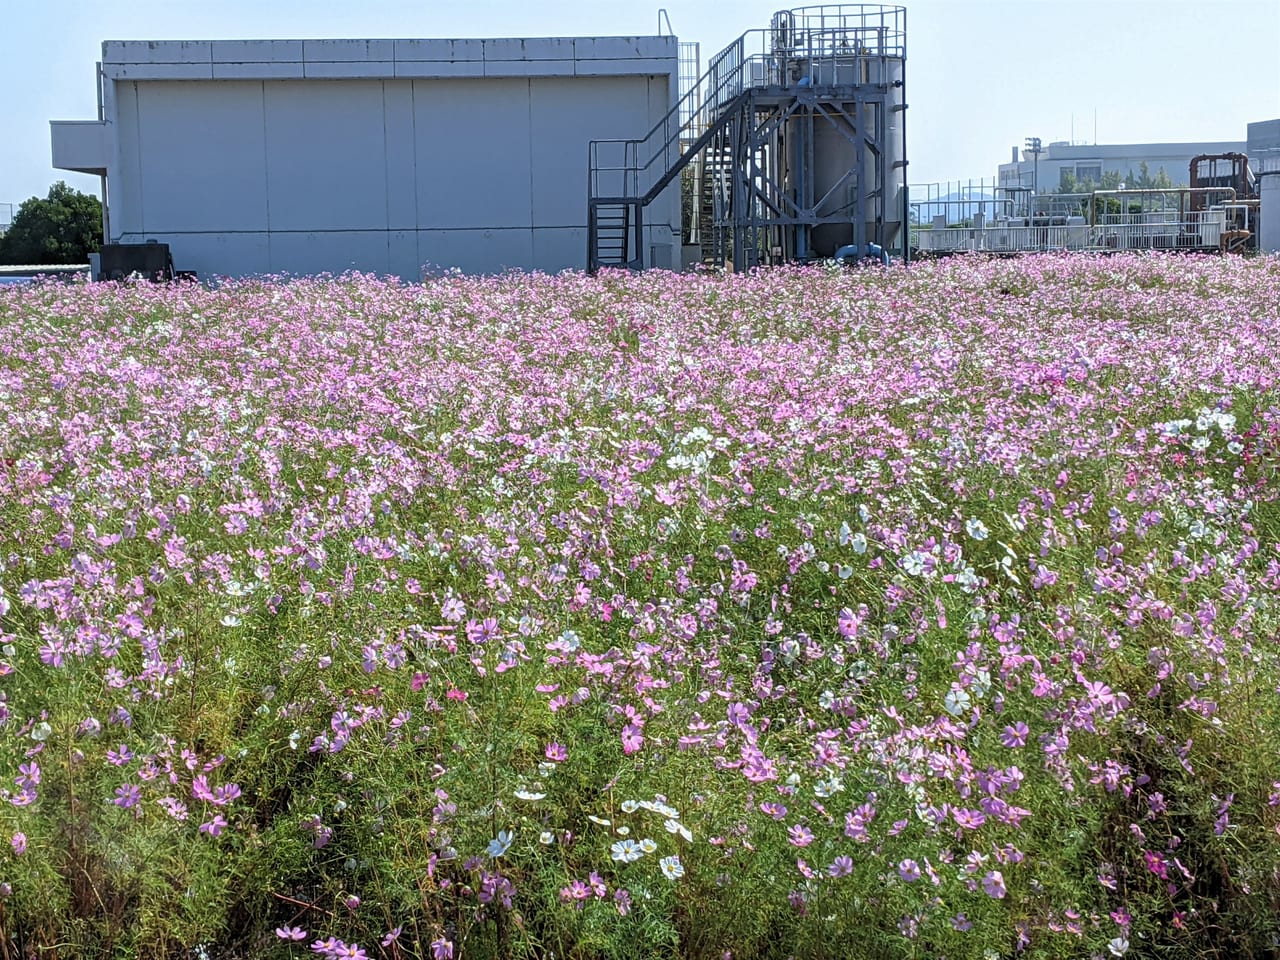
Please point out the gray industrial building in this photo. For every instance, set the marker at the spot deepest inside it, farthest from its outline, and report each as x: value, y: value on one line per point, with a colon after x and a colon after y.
x: 305, y: 156
x: 301, y: 156
x: 1088, y: 162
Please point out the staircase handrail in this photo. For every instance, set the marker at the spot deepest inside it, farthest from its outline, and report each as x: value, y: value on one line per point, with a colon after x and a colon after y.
x: 698, y: 103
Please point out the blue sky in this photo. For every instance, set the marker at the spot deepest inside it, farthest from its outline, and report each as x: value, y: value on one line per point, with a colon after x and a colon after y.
x: 981, y: 74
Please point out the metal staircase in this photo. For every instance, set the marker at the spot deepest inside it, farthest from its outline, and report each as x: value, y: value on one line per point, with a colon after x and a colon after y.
x: 737, y: 133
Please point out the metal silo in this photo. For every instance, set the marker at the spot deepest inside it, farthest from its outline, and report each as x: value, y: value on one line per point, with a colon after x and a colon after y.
x: 845, y: 165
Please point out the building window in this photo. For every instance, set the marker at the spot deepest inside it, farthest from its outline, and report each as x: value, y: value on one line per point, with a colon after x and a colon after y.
x: 1091, y: 172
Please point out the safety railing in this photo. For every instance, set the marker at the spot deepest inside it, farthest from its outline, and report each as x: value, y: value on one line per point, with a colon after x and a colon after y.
x: 1111, y: 232
x: 690, y: 68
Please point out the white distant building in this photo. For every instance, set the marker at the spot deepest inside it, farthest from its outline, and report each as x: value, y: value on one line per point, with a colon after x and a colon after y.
x: 1089, y: 162
x: 302, y: 156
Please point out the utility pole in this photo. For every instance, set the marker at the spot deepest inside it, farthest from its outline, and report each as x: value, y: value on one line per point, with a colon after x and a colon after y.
x: 1033, y: 148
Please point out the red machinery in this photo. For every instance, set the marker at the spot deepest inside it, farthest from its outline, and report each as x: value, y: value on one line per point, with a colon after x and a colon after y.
x: 1228, y: 171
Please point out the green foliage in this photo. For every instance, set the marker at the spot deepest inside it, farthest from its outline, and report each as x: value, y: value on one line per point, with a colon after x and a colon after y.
x: 1146, y: 181
x: 64, y: 227
x: 1105, y: 579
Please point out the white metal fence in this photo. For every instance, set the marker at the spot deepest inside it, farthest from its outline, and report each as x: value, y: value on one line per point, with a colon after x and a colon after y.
x: 1128, y: 231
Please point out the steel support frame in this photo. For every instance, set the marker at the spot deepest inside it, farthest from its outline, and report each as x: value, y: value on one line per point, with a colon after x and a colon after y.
x: 764, y: 211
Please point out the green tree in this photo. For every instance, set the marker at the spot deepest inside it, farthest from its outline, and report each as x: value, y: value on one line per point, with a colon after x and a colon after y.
x: 1146, y: 181
x: 62, y: 228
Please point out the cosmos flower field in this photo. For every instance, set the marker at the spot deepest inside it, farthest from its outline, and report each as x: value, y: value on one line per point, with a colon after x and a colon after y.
x: 916, y: 613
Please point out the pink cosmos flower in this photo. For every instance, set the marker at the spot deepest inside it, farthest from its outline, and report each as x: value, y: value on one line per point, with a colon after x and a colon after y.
x: 214, y: 827
x: 800, y: 836
x: 993, y: 884
x: 1015, y: 735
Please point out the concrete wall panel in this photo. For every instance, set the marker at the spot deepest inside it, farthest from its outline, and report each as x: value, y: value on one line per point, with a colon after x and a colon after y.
x: 402, y: 254
x: 556, y: 249
x: 336, y: 252
x: 567, y: 114
x: 476, y: 251
x: 401, y: 177
x: 199, y: 153
x: 125, y: 187
x: 325, y: 151
x: 472, y: 145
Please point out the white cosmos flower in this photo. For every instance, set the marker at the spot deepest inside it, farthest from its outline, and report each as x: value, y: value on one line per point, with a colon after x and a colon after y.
x: 648, y: 845
x: 957, y: 702
x: 546, y: 838
x: 630, y: 806
x: 671, y: 867
x: 500, y: 844
x: 626, y: 851
x: 675, y: 826
x: 859, y: 543
x: 976, y: 529
x: 529, y: 795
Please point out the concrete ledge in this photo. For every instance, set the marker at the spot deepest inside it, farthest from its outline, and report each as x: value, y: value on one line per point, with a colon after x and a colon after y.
x: 80, y: 145
x: 529, y: 68
x: 622, y: 68
x: 256, y: 51
x: 274, y: 70
x: 158, y: 71
x: 623, y: 48
x: 352, y: 51
x: 555, y: 48
x: 431, y: 70
x: 448, y: 50
x: 157, y: 51
x: 348, y: 70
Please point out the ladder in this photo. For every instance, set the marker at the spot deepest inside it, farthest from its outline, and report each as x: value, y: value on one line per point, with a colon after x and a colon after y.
x: 616, y: 232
